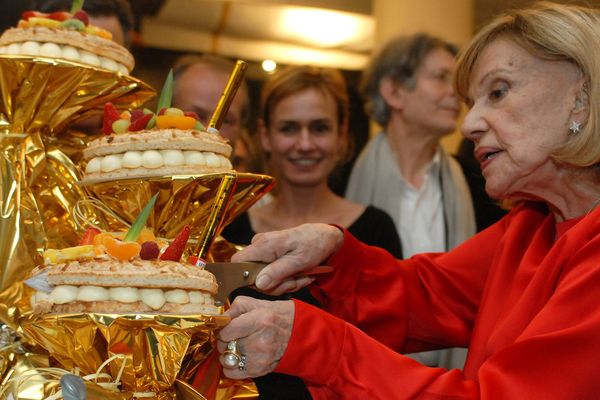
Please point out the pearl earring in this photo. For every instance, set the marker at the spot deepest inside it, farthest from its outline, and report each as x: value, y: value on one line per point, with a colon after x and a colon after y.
x: 575, y: 127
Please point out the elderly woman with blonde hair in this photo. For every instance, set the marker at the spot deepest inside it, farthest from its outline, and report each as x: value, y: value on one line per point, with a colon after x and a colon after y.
x: 522, y: 295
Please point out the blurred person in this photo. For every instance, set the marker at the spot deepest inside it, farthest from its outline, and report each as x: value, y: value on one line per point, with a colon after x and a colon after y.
x: 199, y: 81
x: 523, y: 294
x: 304, y: 131
x: 404, y: 170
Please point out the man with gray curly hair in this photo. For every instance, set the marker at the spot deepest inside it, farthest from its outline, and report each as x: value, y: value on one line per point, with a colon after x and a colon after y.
x: 404, y: 170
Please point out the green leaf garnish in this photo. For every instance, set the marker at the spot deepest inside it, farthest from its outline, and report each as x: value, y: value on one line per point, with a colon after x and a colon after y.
x: 76, y: 6
x: 134, y: 232
x: 166, y: 94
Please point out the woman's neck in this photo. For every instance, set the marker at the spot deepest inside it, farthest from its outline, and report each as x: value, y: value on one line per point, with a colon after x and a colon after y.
x: 303, y: 204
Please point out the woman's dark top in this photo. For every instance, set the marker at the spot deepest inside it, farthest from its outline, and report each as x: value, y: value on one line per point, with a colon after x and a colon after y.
x: 374, y: 227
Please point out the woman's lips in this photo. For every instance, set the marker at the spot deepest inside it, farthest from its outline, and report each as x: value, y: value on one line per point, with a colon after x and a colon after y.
x: 485, y: 155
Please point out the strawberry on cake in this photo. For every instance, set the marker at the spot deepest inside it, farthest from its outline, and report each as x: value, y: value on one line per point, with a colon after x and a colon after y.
x: 67, y: 36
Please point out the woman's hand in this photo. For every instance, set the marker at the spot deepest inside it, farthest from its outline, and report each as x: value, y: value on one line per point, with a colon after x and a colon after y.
x: 290, y: 252
x: 262, y: 330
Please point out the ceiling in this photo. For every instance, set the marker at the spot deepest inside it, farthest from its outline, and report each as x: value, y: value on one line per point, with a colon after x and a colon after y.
x: 330, y: 33
x: 335, y: 33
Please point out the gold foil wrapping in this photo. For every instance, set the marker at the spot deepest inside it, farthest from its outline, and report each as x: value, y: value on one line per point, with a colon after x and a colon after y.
x: 40, y: 97
x: 38, y: 193
x: 205, y: 202
x: 154, y: 348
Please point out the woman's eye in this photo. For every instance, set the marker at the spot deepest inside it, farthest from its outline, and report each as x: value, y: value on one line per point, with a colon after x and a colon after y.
x: 321, y: 127
x: 498, y: 92
x: 287, y: 129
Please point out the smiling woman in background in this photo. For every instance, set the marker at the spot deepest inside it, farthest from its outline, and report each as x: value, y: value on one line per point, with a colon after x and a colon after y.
x: 304, y: 133
x: 522, y: 294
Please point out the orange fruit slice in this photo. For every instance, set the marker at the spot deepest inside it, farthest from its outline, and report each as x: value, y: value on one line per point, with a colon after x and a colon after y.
x: 121, y: 250
x: 175, y: 121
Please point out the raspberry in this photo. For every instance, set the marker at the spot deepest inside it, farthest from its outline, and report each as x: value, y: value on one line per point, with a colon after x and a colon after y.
x: 149, y: 251
x: 82, y: 16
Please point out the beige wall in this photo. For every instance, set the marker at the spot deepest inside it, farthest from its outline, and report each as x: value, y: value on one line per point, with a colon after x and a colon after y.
x: 452, y: 20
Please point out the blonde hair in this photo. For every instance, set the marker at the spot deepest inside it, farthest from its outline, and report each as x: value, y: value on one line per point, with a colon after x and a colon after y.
x: 554, y: 32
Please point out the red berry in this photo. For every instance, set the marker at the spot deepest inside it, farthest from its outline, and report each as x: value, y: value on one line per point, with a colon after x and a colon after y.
x: 162, y: 111
x: 192, y: 114
x: 60, y: 16
x: 111, y: 114
x: 140, y: 123
x: 135, y: 114
x: 28, y: 14
x: 149, y: 251
x: 82, y: 16
x: 88, y: 236
x: 177, y: 246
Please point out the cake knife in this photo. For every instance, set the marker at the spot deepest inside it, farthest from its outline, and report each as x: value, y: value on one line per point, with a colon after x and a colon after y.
x: 233, y: 275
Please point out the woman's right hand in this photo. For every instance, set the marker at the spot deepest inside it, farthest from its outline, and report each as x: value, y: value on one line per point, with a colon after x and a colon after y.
x: 289, y: 253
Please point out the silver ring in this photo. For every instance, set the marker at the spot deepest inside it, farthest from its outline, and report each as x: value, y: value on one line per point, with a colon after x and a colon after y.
x: 232, y: 357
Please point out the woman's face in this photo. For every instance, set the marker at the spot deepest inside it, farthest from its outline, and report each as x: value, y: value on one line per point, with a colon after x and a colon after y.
x: 520, y: 107
x: 431, y: 104
x: 304, y: 137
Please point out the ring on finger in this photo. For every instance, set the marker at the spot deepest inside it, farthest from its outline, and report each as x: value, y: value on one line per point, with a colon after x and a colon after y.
x: 232, y: 357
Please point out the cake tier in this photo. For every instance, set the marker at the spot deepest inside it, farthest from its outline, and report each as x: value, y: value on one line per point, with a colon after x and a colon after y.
x: 156, y: 153
x: 69, y: 45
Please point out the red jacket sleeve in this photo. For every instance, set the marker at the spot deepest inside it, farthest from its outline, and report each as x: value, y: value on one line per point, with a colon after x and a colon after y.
x: 423, y: 303
x: 541, y: 341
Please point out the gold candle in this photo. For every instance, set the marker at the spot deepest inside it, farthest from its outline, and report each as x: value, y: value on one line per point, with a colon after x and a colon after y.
x: 235, y: 80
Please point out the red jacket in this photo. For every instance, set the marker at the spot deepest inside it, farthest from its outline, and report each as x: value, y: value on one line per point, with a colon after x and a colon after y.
x: 523, y: 295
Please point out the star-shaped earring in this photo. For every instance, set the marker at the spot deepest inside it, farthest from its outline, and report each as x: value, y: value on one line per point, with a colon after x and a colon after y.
x: 575, y: 127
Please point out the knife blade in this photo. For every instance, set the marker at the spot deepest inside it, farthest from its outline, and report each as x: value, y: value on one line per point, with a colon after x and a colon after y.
x: 233, y: 275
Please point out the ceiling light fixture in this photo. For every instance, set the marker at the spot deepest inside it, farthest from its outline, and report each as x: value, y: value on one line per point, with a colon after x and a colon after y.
x: 324, y: 28
x: 269, y: 65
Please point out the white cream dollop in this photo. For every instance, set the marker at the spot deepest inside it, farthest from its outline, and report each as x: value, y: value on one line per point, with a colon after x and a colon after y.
x: 124, y: 294
x: 30, y: 48
x: 92, y: 293
x: 153, y: 298
x: 50, y: 50
x: 13, y: 48
x: 94, y: 165
x: 89, y: 58
x: 70, y: 53
x: 63, y: 294
x: 172, y: 158
x: 178, y: 296
x: 132, y: 159
x: 108, y: 64
x: 152, y: 159
x: 111, y: 163
x: 212, y: 160
x: 193, y: 157
x: 196, y: 297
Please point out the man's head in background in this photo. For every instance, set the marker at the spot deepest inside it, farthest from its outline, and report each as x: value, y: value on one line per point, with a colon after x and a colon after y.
x: 199, y: 82
x: 114, y: 16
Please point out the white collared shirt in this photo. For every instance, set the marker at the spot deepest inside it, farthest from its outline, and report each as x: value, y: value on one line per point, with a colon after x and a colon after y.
x: 421, y: 222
